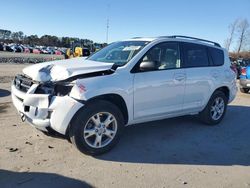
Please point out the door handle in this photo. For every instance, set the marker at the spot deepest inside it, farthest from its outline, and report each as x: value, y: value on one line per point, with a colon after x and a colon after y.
x: 180, y: 77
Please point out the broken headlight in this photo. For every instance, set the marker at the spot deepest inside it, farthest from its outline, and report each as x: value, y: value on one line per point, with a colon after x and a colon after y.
x: 57, y: 89
x: 62, y: 89
x: 45, y: 89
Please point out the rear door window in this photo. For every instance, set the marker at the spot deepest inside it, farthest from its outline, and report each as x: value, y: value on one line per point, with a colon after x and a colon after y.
x: 195, y: 55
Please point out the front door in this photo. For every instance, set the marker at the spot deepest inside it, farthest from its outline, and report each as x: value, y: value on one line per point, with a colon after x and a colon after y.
x: 159, y: 92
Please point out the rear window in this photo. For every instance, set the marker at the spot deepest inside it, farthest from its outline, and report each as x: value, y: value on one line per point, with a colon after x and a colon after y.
x: 195, y: 55
x: 217, y: 56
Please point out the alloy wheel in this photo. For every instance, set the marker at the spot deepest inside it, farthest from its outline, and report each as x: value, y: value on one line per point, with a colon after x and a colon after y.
x: 100, y: 129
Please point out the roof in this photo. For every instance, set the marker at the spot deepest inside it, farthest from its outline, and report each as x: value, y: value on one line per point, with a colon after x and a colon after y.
x: 178, y: 38
x: 149, y: 39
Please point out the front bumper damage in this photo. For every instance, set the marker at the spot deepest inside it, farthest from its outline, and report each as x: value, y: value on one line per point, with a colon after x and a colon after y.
x: 43, y: 111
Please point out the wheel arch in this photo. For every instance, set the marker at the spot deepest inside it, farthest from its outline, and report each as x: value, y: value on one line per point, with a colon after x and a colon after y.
x: 224, y: 89
x: 116, y: 99
x: 205, y: 113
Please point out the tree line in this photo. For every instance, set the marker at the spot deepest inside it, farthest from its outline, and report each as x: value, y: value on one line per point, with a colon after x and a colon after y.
x: 19, y: 37
x: 238, y: 41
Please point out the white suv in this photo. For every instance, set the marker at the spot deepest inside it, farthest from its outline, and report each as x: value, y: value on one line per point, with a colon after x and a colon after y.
x: 128, y: 82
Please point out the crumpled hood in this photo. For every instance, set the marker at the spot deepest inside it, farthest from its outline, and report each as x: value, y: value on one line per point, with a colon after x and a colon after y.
x: 63, y: 69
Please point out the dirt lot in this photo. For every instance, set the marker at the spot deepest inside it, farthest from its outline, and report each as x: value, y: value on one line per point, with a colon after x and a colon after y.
x: 179, y: 152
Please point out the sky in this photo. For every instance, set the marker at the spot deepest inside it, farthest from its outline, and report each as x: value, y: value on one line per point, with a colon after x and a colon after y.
x: 127, y: 18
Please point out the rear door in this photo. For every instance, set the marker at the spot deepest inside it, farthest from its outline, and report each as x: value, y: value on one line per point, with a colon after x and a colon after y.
x: 200, y: 76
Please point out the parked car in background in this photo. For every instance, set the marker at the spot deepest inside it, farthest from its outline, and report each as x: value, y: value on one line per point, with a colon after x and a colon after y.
x: 16, y: 48
x: 241, y: 63
x: 23, y: 48
x: 58, y: 52
x: 63, y: 50
x: 29, y: 48
x: 26, y: 49
x: 132, y: 81
x: 36, y: 51
x: 245, y: 78
x: 1, y: 47
x: 8, y: 48
x: 50, y: 50
x: 43, y: 50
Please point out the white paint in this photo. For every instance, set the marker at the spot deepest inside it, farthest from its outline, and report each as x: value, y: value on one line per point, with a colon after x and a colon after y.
x: 64, y: 69
x: 148, y: 95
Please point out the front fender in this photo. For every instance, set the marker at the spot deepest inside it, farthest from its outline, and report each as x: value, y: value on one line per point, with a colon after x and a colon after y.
x: 87, y: 89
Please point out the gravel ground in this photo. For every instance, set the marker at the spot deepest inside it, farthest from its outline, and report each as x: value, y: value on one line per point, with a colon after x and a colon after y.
x: 179, y: 152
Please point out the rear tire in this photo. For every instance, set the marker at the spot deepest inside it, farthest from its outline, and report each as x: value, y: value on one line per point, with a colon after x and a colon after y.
x: 244, y: 90
x: 96, y: 128
x: 215, y: 109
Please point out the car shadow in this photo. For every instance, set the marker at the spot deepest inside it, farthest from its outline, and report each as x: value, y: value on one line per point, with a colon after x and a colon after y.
x: 186, y: 140
x: 38, y: 180
x: 3, y: 107
x: 4, y: 93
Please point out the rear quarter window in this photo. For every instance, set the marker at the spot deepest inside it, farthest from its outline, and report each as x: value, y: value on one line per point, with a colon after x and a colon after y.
x: 217, y: 56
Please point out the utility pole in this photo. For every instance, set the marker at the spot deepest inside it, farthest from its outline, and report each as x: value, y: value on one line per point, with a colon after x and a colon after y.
x: 107, y: 32
x: 107, y: 26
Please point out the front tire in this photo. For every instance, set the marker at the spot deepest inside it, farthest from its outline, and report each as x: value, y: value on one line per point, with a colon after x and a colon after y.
x: 215, y: 109
x: 96, y: 128
x: 244, y: 90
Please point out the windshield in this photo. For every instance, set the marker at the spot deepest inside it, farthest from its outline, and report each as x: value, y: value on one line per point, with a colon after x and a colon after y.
x: 119, y: 52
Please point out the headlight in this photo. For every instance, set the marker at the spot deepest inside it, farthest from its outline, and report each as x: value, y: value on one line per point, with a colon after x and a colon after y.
x: 57, y: 89
x: 45, y: 89
x: 62, y: 90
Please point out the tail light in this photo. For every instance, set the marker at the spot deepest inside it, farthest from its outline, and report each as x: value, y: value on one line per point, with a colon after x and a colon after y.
x: 244, y: 71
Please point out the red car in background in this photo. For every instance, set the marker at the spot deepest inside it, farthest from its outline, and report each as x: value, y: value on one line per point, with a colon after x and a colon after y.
x: 26, y: 50
x: 36, y: 51
x: 57, y: 52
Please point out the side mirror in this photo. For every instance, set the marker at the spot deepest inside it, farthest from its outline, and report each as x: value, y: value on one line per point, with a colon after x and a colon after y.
x: 147, y: 66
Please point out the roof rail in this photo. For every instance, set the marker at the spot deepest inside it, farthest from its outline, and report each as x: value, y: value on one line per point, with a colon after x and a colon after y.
x: 187, y: 37
x: 136, y: 37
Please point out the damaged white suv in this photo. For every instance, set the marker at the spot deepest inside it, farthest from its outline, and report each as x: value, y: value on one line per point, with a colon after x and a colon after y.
x: 127, y: 82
